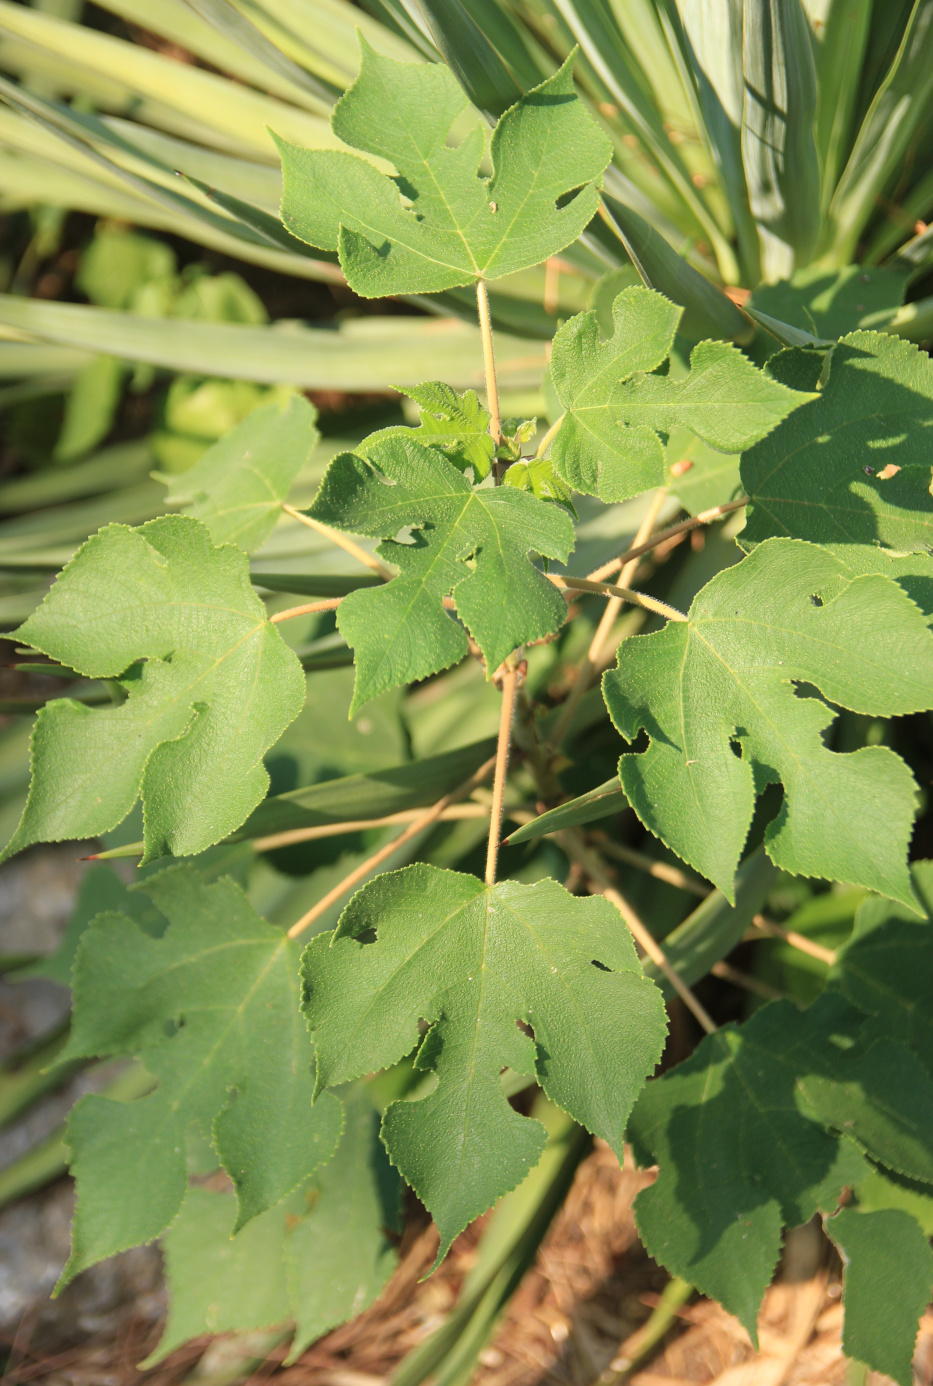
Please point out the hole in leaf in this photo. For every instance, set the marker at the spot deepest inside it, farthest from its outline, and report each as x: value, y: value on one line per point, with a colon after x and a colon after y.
x: 602, y: 966
x: 816, y: 599
x: 366, y: 935
x: 525, y: 1028
x: 566, y: 198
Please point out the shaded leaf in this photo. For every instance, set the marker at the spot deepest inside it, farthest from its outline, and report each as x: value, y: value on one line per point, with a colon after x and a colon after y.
x: 237, y: 488
x: 210, y: 687
x: 474, y: 961
x: 716, y: 696
x: 211, y: 1009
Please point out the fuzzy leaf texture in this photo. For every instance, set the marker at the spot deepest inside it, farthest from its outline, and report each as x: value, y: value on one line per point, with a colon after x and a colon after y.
x: 238, y: 486
x: 437, y: 224
x: 473, y: 960
x: 608, y: 444
x: 210, y: 686
x: 316, y: 1259
x: 211, y: 1010
x: 741, y: 1155
x: 457, y: 425
x: 850, y: 469
x: 473, y: 543
x: 716, y: 696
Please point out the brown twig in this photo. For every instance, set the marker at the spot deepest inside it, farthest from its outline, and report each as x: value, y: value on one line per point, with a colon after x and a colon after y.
x: 288, y: 838
x: 609, y: 589
x: 661, y: 870
x: 600, y: 884
x: 613, y: 607
x: 423, y: 820
x: 328, y: 604
x: 706, y: 517
x: 510, y: 680
x: 344, y: 542
x: 798, y: 941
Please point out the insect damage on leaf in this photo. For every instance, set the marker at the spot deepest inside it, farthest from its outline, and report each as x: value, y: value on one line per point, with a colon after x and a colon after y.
x: 471, y: 542
x: 211, y: 1009
x: 473, y: 961
x: 210, y: 685
x: 615, y: 406
x: 437, y: 223
x: 716, y: 696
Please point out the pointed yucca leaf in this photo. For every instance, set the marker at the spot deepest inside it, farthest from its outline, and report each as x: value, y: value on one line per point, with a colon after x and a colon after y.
x: 782, y: 169
x: 267, y: 226
x: 785, y: 332
x: 237, y: 48
x: 605, y: 50
x: 839, y: 68
x: 237, y: 117
x: 375, y: 354
x: 711, y: 36
x: 321, y: 35
x: 707, y: 310
x: 648, y: 37
x: 896, y: 117
x: 601, y: 802
x: 466, y: 49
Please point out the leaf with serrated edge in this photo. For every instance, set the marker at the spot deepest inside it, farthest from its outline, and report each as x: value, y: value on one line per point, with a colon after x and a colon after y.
x: 724, y: 681
x: 211, y: 1010
x: 320, y: 1257
x: 456, y: 424
x: 886, y: 1281
x: 238, y: 486
x: 741, y: 1155
x: 608, y: 443
x: 473, y: 543
x: 453, y: 226
x: 819, y: 475
x: 211, y: 687
x: 473, y: 961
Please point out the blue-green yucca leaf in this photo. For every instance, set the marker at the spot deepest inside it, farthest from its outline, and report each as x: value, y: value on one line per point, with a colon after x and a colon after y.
x: 716, y: 695
x: 470, y: 541
x: 453, y: 227
x: 473, y: 960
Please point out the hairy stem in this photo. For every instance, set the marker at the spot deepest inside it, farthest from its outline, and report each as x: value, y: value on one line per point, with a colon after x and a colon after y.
x: 344, y: 542
x: 424, y: 820
x: 489, y: 362
x: 549, y: 437
x: 798, y: 941
x: 509, y: 689
x: 608, y: 589
x: 456, y: 813
x: 326, y: 604
x: 706, y: 517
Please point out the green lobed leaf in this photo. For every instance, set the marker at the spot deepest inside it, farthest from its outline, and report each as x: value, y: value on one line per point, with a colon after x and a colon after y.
x: 886, y: 967
x: 237, y: 488
x: 547, y: 154
x: 716, y: 696
x: 473, y: 543
x: 210, y: 687
x: 741, y: 1155
x: 821, y: 474
x: 829, y: 303
x: 539, y: 477
x: 886, y: 1281
x: 316, y: 1259
x: 473, y: 961
x: 456, y: 424
x: 608, y: 443
x: 211, y: 1010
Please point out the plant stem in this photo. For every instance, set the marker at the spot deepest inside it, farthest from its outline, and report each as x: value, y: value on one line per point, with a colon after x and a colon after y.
x: 424, y: 820
x: 509, y: 689
x: 798, y: 941
x: 489, y: 362
x: 549, y: 437
x: 661, y: 870
x: 608, y: 589
x: 706, y: 517
x: 342, y: 540
x: 326, y: 604
x: 613, y: 606
x: 642, y: 1342
x: 454, y: 814
x: 572, y: 842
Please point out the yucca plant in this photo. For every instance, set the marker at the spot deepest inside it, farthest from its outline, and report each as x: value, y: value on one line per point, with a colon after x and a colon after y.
x: 690, y: 258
